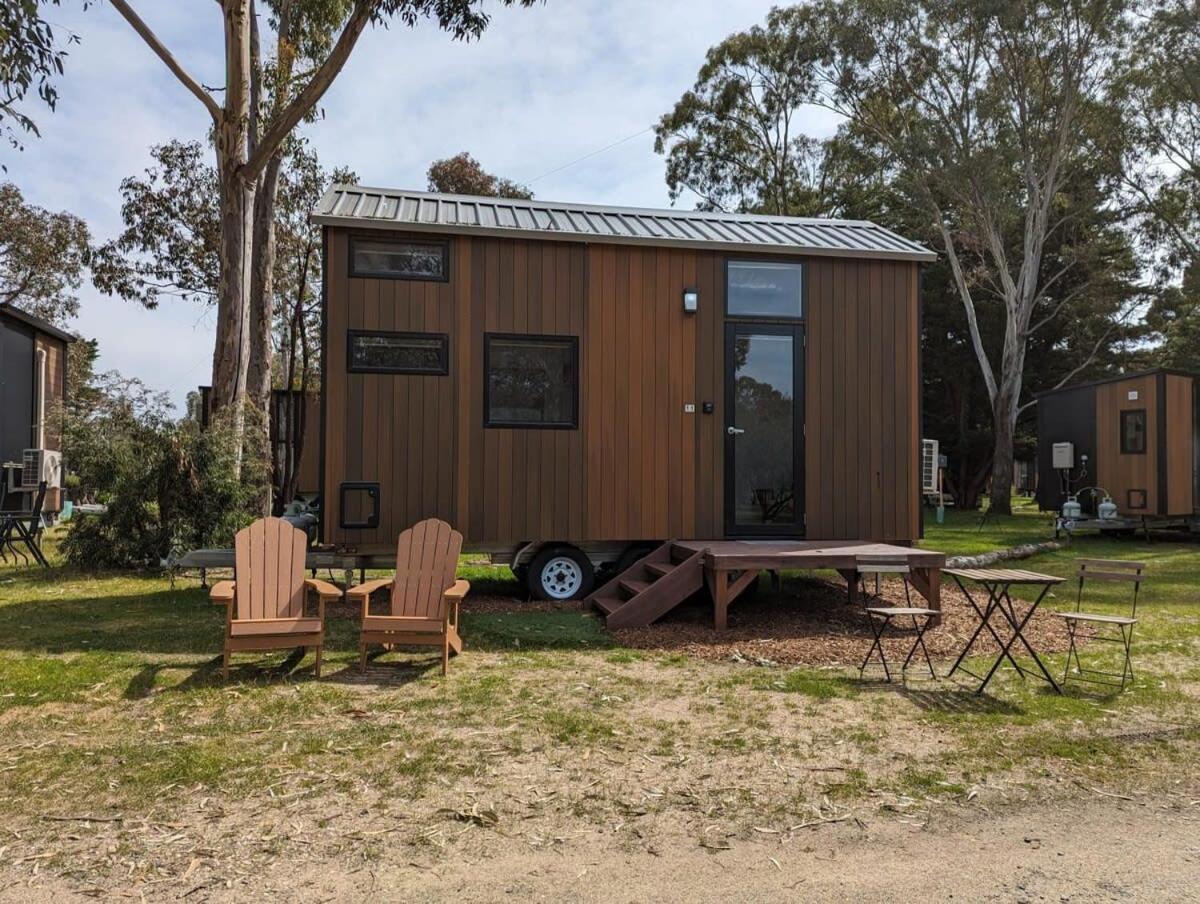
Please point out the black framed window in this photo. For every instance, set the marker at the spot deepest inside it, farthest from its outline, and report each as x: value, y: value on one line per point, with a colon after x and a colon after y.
x: 532, y: 381
x: 1133, y: 432
x: 772, y: 289
x: 399, y: 258
x: 379, y: 352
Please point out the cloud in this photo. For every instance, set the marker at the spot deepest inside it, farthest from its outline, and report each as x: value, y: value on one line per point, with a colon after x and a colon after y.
x: 543, y: 87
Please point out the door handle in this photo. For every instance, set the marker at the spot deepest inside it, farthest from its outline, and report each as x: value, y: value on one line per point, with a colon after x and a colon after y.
x: 734, y: 431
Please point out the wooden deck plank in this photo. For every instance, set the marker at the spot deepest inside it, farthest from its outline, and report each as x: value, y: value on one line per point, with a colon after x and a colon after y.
x: 769, y: 554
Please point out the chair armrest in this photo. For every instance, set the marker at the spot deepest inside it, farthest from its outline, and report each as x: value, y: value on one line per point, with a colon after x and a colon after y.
x: 325, y: 589
x: 454, y: 595
x: 367, y: 588
x: 365, y: 591
x: 222, y: 593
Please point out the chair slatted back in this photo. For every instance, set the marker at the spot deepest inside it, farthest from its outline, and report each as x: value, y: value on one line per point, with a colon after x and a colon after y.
x: 35, y: 512
x: 426, y: 563
x: 269, y: 570
x: 1119, y: 570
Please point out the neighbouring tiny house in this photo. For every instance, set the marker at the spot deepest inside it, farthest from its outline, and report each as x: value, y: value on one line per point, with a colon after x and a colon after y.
x: 1133, y: 438
x: 33, y: 379
x: 569, y: 383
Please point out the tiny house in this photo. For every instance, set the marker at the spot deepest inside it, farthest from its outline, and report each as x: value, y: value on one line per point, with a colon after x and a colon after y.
x: 1133, y: 438
x: 569, y: 383
x: 33, y: 377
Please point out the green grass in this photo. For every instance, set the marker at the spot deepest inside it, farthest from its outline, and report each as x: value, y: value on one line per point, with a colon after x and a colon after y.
x: 110, y: 692
x: 961, y: 535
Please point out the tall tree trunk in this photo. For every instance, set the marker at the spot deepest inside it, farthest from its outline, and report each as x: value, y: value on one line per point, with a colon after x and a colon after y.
x: 1004, y: 420
x: 231, y: 352
x: 262, y: 288
x: 231, y: 356
x: 261, y: 314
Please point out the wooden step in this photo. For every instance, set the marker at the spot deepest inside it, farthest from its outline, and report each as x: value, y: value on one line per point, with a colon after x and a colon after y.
x: 633, y: 588
x: 659, y: 569
x: 608, y: 605
x: 680, y: 553
x: 663, y: 595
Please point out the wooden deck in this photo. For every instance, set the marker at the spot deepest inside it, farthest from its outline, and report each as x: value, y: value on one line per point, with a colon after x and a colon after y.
x: 730, y: 566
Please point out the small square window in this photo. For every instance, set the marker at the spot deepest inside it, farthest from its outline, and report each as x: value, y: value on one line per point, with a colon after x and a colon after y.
x: 1133, y: 432
x: 1135, y: 499
x: 399, y: 259
x: 532, y: 381
x: 764, y: 289
x: 398, y: 353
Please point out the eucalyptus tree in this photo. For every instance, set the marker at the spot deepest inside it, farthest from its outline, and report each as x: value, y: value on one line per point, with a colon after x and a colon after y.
x: 464, y: 175
x: 1161, y: 104
x: 43, y: 256
x: 248, y: 134
x: 989, y: 111
x: 735, y: 139
x: 31, y: 58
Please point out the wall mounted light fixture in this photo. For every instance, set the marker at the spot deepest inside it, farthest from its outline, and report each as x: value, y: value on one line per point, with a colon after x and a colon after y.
x: 691, y: 298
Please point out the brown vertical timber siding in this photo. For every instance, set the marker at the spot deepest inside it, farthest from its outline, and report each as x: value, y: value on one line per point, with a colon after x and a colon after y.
x: 1180, y: 437
x: 640, y: 369
x: 861, y: 399
x: 1117, y: 473
x: 395, y: 429
x: 638, y: 467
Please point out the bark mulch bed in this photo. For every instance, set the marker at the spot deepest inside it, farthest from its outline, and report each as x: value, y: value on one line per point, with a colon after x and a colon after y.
x: 811, y: 623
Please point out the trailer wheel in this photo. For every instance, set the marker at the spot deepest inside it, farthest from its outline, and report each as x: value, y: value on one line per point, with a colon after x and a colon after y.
x: 561, y: 573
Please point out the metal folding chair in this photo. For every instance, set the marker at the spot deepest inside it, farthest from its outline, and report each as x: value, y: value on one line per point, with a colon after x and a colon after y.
x: 25, y: 528
x: 880, y: 616
x: 1104, y: 570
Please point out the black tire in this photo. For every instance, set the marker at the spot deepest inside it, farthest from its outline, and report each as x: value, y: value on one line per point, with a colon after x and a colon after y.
x: 560, y: 573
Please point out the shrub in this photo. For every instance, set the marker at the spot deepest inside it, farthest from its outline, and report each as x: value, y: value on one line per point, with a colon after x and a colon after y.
x: 168, y: 486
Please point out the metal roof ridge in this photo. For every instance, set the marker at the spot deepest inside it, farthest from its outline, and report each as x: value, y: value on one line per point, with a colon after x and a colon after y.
x: 606, y: 208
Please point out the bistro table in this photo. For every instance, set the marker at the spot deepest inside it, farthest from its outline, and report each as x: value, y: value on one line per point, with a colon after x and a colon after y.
x: 997, y: 581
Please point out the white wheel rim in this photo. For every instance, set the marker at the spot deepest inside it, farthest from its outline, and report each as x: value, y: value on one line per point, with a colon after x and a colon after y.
x: 561, y: 578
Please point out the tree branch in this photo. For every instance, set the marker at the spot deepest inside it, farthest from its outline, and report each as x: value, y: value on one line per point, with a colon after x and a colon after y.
x: 311, y: 93
x: 165, y: 55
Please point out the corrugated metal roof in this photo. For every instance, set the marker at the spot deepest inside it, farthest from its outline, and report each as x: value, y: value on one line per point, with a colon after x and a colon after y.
x: 351, y: 205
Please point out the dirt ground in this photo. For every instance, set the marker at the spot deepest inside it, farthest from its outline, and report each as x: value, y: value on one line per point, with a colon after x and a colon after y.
x: 1088, y: 848
x: 812, y: 624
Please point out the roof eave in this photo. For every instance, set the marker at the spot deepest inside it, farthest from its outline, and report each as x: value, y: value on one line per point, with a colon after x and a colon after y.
x: 42, y: 326
x: 923, y: 256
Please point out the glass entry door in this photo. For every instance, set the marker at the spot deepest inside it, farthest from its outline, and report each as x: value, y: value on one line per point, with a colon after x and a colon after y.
x: 764, y: 430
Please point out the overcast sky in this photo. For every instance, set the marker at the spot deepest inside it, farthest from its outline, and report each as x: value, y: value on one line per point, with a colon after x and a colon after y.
x: 542, y: 88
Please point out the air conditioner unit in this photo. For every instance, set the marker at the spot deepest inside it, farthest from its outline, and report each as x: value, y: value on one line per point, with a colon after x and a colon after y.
x: 38, y: 465
x: 929, y: 466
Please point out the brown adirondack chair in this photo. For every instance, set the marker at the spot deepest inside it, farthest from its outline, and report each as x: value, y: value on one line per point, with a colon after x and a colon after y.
x: 424, y: 594
x: 264, y: 603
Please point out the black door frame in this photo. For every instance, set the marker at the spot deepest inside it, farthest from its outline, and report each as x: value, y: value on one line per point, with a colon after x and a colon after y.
x: 734, y: 328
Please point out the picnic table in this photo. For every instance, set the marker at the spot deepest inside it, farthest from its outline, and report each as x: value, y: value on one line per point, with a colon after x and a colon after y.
x: 1000, y: 607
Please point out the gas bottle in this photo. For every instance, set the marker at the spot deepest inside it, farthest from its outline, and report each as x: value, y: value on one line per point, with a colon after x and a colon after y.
x: 1107, y: 510
x: 1071, y: 508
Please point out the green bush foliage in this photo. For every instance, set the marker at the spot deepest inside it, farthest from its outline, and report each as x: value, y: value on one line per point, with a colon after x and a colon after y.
x: 167, y: 485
